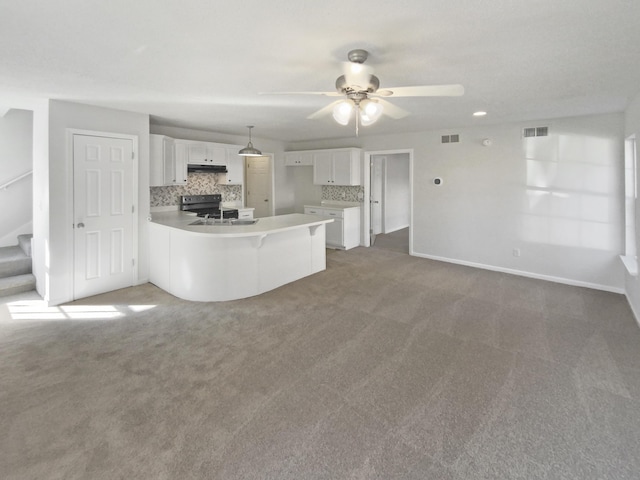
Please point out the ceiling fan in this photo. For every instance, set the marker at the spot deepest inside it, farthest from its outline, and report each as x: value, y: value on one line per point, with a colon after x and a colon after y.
x: 360, y: 89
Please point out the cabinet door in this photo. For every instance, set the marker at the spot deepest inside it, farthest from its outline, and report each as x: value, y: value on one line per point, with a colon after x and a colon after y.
x: 197, y: 154
x: 291, y: 159
x: 168, y: 153
x: 335, y: 233
x: 306, y: 159
x: 216, y: 154
x: 343, y: 171
x: 235, y: 167
x: 323, y: 168
x: 298, y: 159
x: 181, y: 159
x: 156, y: 160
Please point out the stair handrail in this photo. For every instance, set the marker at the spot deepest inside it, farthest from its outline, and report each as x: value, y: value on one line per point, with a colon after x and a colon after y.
x: 10, y: 182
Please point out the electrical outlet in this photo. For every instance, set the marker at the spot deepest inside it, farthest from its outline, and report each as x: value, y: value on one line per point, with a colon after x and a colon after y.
x: 516, y: 252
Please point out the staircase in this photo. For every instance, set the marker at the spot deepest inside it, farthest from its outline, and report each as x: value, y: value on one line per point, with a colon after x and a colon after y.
x: 15, y: 268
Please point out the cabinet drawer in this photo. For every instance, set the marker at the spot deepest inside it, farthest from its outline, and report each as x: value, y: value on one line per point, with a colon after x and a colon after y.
x: 313, y: 211
x: 334, y: 213
x: 245, y: 214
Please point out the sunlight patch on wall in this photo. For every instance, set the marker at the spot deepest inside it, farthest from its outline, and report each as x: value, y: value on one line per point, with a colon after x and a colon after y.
x: 572, y: 189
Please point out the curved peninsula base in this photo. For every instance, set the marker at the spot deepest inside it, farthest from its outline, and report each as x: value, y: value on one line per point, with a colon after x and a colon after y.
x: 228, y: 263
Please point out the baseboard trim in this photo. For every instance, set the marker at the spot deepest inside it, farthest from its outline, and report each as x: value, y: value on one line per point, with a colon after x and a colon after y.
x: 636, y: 313
x: 396, y: 229
x: 522, y: 273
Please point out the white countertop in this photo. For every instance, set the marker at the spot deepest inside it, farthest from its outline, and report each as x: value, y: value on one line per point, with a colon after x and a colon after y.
x: 264, y: 226
x: 334, y: 204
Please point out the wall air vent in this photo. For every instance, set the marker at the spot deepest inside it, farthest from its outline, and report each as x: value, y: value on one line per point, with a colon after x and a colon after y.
x: 535, y: 132
x: 455, y: 138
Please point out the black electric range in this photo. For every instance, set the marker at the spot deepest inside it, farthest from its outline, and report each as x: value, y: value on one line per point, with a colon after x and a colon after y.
x: 204, y: 205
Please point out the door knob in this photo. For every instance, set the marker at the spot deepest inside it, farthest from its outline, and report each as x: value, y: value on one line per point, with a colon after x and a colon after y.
x: 81, y: 225
x: 266, y: 199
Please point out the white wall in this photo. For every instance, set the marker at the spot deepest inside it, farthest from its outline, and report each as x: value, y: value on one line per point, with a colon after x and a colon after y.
x: 559, y: 200
x: 397, y: 192
x: 632, y: 127
x: 305, y: 192
x: 57, y: 268
x: 16, y: 158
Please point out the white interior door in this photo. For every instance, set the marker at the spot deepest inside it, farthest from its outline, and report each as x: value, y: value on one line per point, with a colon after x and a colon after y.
x: 259, y: 186
x: 376, y: 196
x: 103, y: 204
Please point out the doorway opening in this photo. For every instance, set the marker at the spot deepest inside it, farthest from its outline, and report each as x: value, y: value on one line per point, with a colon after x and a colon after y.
x: 388, y: 194
x: 259, y: 185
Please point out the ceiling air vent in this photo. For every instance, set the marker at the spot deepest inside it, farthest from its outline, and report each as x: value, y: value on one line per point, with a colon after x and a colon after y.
x: 455, y: 138
x: 535, y: 132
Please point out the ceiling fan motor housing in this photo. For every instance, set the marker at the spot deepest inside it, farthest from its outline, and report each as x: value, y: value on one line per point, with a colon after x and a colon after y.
x: 358, y: 55
x: 342, y: 87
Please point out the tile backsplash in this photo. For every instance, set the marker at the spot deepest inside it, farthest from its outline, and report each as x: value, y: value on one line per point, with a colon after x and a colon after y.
x: 197, y: 184
x: 343, y: 193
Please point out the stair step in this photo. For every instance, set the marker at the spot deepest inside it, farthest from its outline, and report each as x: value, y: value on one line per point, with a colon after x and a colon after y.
x: 17, y: 284
x: 24, y: 242
x: 13, y: 261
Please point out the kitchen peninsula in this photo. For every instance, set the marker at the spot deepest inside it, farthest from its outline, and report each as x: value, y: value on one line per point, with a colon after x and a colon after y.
x: 210, y: 263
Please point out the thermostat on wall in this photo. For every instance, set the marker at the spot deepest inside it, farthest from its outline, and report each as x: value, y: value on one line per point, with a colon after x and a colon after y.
x: 438, y: 181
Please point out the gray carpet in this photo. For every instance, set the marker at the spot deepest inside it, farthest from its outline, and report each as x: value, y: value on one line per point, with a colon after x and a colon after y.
x: 397, y: 241
x: 384, y: 366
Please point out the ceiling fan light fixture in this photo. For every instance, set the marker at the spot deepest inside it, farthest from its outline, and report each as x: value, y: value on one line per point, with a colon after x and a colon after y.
x: 370, y: 112
x: 342, y: 112
x: 250, y: 150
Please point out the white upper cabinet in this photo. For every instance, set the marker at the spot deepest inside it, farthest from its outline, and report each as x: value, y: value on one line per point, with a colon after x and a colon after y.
x: 235, y: 166
x: 336, y: 166
x: 346, y: 168
x: 206, y: 153
x: 323, y: 168
x: 298, y: 159
x: 170, y: 158
x: 165, y: 167
x: 182, y: 159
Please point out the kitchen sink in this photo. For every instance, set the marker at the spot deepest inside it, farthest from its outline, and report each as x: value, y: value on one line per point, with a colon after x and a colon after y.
x: 244, y: 221
x: 226, y: 223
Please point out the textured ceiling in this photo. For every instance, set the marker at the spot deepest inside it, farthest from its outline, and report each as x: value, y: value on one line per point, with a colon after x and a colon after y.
x: 201, y: 63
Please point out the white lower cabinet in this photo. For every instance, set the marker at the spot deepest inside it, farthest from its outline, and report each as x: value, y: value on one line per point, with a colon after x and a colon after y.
x: 344, y: 231
x: 245, y: 213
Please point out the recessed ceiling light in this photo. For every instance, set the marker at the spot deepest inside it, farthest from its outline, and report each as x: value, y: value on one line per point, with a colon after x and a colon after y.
x: 479, y: 114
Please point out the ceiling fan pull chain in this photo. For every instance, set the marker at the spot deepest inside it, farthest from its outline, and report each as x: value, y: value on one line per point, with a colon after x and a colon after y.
x: 357, y: 118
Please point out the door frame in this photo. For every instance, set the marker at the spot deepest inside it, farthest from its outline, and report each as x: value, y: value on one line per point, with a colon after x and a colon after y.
x: 272, y: 186
x: 366, y: 205
x: 70, y: 133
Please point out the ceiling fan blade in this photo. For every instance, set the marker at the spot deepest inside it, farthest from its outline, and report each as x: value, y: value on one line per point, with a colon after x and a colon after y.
x: 423, y: 91
x: 357, y: 75
x: 327, y: 94
x: 323, y: 111
x: 391, y: 110
x: 381, y: 93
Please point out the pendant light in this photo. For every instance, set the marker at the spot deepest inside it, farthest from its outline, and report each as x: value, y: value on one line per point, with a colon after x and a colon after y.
x: 249, y: 150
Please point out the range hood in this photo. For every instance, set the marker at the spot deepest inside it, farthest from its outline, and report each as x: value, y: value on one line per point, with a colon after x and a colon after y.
x: 206, y: 168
